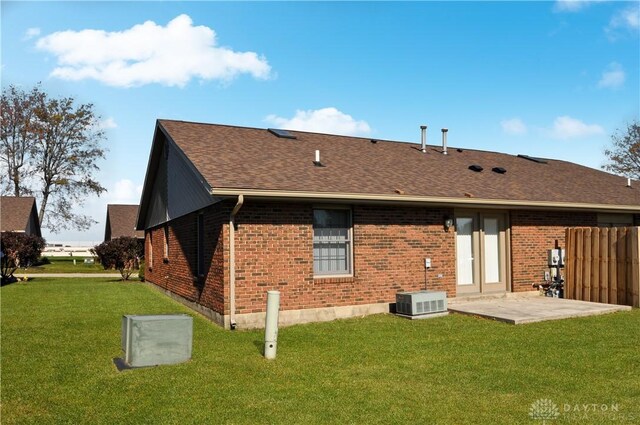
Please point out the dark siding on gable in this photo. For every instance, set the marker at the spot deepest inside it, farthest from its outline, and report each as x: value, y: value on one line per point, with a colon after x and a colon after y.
x: 186, y: 192
x: 157, y: 214
x: 177, y: 190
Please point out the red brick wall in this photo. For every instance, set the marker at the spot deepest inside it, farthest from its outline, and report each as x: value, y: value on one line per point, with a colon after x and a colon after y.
x: 532, y: 234
x: 178, y: 273
x: 274, y: 250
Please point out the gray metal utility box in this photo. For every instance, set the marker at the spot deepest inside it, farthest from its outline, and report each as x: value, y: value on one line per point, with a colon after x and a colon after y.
x: 421, y: 302
x: 156, y: 339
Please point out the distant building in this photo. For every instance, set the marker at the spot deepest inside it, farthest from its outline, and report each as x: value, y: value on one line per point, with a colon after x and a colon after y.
x: 19, y: 214
x: 121, y: 221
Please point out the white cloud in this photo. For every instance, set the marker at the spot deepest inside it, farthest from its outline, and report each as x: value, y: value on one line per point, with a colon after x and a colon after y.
x: 124, y: 192
x: 568, y: 5
x: 149, y: 53
x: 107, y: 124
x: 572, y: 5
x: 325, y: 120
x: 566, y: 127
x: 613, y: 77
x: 31, y: 33
x: 513, y: 126
x: 624, y: 19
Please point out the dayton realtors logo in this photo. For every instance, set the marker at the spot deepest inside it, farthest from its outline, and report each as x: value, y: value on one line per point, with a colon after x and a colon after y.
x: 546, y: 410
x: 543, y: 410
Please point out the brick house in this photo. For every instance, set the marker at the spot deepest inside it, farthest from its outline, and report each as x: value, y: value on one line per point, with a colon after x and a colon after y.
x: 19, y: 214
x: 341, y: 224
x: 121, y: 221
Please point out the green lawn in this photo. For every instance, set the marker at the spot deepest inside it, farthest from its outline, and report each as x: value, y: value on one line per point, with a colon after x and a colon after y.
x: 65, y: 265
x: 59, y: 339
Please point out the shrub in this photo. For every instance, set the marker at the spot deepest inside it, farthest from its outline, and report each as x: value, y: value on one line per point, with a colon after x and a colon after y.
x: 120, y: 253
x: 18, y: 250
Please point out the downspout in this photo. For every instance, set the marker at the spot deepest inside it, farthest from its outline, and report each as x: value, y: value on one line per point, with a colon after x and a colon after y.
x: 232, y: 262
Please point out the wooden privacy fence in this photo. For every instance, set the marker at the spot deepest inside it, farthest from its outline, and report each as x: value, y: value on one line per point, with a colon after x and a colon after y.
x: 603, y: 265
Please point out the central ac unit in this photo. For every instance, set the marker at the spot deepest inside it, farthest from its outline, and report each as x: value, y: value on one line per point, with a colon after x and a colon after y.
x: 421, y: 302
x: 151, y: 340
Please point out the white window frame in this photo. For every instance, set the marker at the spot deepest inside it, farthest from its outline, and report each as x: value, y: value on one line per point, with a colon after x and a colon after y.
x: 150, y: 265
x: 166, y: 243
x: 349, y: 243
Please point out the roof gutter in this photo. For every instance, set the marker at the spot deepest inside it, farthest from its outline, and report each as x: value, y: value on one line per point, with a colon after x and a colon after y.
x: 408, y: 199
x: 232, y: 261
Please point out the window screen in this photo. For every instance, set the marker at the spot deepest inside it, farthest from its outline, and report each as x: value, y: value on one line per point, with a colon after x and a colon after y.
x: 331, y: 241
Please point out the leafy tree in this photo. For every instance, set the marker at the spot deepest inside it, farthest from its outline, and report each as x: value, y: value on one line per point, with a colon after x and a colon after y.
x: 51, y: 146
x: 19, y: 250
x: 624, y: 155
x: 120, y: 253
x: 17, y: 134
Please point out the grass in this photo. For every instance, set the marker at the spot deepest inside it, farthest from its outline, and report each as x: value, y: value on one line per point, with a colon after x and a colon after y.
x: 59, y: 339
x: 65, y: 265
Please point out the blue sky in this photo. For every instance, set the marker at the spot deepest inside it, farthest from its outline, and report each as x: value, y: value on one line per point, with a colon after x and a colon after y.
x: 550, y: 79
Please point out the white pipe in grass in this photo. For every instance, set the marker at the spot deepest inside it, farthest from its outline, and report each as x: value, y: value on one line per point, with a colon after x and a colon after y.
x: 271, y: 325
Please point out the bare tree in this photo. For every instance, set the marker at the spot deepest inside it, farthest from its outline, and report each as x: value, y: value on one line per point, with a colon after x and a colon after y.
x: 624, y: 154
x: 18, y: 130
x: 50, y: 147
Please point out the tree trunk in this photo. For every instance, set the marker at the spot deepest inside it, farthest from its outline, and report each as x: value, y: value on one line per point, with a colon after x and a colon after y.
x: 16, y: 181
x: 43, y: 205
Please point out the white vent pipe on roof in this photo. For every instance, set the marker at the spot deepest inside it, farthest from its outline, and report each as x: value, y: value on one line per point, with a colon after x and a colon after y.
x: 317, y: 156
x: 444, y: 141
x: 423, y: 138
x: 628, y: 182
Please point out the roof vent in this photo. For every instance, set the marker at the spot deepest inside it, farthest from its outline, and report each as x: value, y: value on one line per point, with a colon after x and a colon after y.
x: 532, y: 158
x: 499, y: 170
x: 459, y: 150
x: 444, y: 141
x: 283, y: 134
x: 475, y: 168
x: 374, y: 141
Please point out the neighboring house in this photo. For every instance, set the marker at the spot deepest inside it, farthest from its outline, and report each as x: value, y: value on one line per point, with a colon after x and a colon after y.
x: 121, y: 221
x: 231, y: 212
x: 19, y: 214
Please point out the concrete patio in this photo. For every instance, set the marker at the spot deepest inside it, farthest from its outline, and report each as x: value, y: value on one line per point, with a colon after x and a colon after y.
x: 532, y: 308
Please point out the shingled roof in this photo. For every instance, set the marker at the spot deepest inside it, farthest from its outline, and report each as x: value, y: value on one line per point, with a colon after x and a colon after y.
x: 19, y: 214
x: 121, y: 221
x: 235, y: 159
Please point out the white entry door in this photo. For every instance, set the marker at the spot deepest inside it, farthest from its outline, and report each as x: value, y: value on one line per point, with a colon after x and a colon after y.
x: 481, y: 254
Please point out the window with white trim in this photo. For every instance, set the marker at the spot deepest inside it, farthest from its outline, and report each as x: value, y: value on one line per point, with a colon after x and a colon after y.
x: 150, y: 249
x: 166, y: 242
x: 332, y: 241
